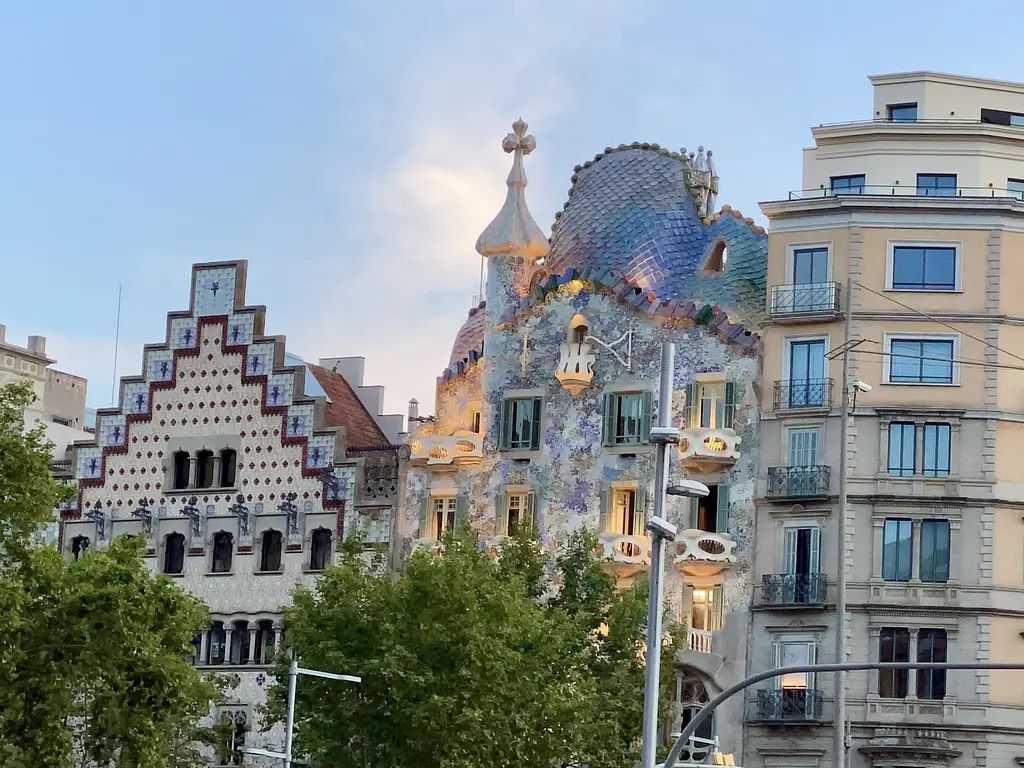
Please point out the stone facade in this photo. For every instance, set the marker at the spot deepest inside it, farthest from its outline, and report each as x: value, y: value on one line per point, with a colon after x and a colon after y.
x: 544, y: 412
x: 241, y: 466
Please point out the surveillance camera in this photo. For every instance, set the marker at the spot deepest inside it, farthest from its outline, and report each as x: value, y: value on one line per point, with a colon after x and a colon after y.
x: 690, y: 488
x: 661, y: 528
x: 861, y: 386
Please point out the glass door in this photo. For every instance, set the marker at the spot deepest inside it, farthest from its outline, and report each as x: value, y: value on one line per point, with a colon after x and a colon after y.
x: 807, y: 373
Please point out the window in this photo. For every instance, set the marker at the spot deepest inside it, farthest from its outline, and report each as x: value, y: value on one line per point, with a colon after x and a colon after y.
x: 270, y: 551
x: 807, y: 380
x: 204, y: 469
x: 931, y: 647
x: 897, y: 550
x: 711, y: 405
x: 893, y: 647
x: 1016, y: 188
x: 228, y: 460
x: 223, y: 548
x: 934, y: 565
x: 520, y: 424
x: 902, y: 449
x: 627, y: 418
x: 1001, y: 117
x: 801, y: 563
x: 936, y: 450
x: 474, y: 422
x: 936, y: 184
x: 320, y: 556
x: 79, y: 545
x: 794, y: 654
x: 803, y: 447
x: 240, y: 643
x: 810, y: 265
x: 848, y: 185
x: 623, y: 511
x: 215, y: 644
x: 439, y: 514
x: 921, y: 361
x: 264, y: 649
x: 902, y: 113
x: 706, y: 609
x: 182, y: 464
x: 174, y: 553
x: 924, y: 268
x: 230, y: 750
x: 690, y: 697
x: 712, y: 511
x: 514, y: 510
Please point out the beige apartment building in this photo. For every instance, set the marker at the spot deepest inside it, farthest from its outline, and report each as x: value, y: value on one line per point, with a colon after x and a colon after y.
x: 919, y: 209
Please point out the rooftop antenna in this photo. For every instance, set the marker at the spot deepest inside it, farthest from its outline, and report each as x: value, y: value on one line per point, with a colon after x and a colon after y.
x: 117, y: 338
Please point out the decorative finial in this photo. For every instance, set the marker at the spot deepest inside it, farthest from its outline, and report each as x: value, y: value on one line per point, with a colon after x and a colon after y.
x: 513, y: 230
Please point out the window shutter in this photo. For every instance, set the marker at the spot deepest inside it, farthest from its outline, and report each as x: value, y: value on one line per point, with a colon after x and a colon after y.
x: 608, y: 422
x: 717, y: 608
x: 693, y: 405
x: 505, y: 430
x: 776, y: 663
x: 461, y: 508
x: 425, y: 518
x: 688, y: 606
x: 501, y: 515
x: 730, y: 405
x: 640, y: 510
x: 789, y: 551
x: 535, y: 425
x: 722, y: 513
x: 605, y: 512
x: 815, y: 550
x: 531, y: 511
x: 645, y: 418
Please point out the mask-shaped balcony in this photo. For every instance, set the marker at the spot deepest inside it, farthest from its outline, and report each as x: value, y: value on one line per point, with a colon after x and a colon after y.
x: 709, y: 446
x: 701, y: 554
x: 447, y: 452
x: 624, y: 555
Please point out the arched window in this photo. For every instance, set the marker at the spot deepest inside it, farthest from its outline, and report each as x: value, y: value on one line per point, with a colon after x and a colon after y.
x: 174, y: 553
x: 204, y: 469
x: 321, y: 550
x: 181, y: 470
x: 270, y: 554
x: 240, y: 643
x: 223, y: 549
x: 717, y: 258
x: 691, y: 696
x: 228, y: 462
x: 215, y: 644
x: 79, y: 545
x: 264, y: 642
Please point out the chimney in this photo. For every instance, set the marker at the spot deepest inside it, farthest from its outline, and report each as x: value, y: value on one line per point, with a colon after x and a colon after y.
x: 37, y: 344
x: 414, y: 412
x: 3, y: 333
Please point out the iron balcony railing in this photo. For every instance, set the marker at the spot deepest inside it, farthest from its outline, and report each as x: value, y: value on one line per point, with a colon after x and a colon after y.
x: 798, y: 482
x: 910, y: 190
x: 793, y: 589
x: 803, y: 393
x: 804, y: 298
x: 61, y: 469
x: 789, y: 705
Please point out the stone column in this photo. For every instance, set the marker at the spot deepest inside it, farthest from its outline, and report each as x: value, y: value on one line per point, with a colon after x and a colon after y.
x: 193, y: 465
x: 215, y: 480
x: 878, y: 528
x: 277, y: 637
x: 228, y: 632
x: 204, y: 646
x: 912, y: 674
x: 875, y: 634
x: 252, y: 642
x: 915, y: 564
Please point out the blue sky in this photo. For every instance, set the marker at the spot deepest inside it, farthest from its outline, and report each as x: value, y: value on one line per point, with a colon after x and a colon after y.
x: 351, y: 151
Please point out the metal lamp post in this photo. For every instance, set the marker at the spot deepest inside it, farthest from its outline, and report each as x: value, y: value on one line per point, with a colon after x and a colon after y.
x: 294, y: 670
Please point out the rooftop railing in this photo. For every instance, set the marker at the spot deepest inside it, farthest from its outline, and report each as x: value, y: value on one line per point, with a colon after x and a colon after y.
x: 910, y: 190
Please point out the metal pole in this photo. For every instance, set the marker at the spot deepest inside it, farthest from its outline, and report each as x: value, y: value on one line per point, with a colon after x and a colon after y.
x: 293, y: 675
x: 652, y: 668
x: 840, y: 747
x: 705, y: 712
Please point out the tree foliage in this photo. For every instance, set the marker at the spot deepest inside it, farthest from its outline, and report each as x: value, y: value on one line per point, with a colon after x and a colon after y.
x: 92, y: 652
x: 471, y: 660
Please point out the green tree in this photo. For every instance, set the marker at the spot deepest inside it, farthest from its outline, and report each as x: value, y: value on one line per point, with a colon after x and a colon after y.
x: 94, y: 648
x: 470, y: 660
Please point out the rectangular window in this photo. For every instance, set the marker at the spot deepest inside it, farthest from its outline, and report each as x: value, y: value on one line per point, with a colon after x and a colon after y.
x: 902, y: 113
x: 706, y: 609
x: 474, y: 419
x: 520, y: 424
x: 627, y: 418
x: 794, y: 654
x: 936, y: 450
x: 803, y: 447
x: 848, y: 185
x: 810, y: 265
x: 897, y: 550
x: 921, y: 361
x: 924, y: 268
x: 712, y: 511
x: 1002, y: 117
x: 936, y: 184
x: 711, y: 404
x: 807, y: 380
x: 902, y: 449
x: 1016, y: 188
x: 934, y: 565
x: 443, y: 517
x: 519, y: 510
x: 801, y: 565
x: 931, y: 646
x: 893, y: 647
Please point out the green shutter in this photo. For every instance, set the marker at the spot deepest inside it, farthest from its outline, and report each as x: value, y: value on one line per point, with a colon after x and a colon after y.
x: 425, y: 517
x: 500, y: 515
x: 605, y: 512
x: 505, y: 429
x: 723, y: 521
x: 531, y: 512
x: 693, y: 405
x: 608, y: 431
x: 535, y: 425
x: 645, y: 417
x: 461, y: 508
x: 640, y: 509
x: 730, y: 405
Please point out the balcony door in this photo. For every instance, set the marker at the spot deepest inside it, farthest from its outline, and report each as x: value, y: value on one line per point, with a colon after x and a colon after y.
x: 806, y: 373
x: 801, y: 565
x: 794, y: 691
x: 802, y: 476
x: 809, y: 289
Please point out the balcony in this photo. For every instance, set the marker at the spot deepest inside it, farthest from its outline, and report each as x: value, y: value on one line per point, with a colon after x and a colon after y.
x: 785, y: 483
x: 61, y: 469
x: 805, y: 302
x: 702, y: 553
x: 803, y: 394
x: 793, y: 589
x: 788, y: 705
x: 700, y: 640
x: 624, y: 555
x: 709, y: 446
x: 910, y: 190
x: 431, y: 546
x: 447, y: 451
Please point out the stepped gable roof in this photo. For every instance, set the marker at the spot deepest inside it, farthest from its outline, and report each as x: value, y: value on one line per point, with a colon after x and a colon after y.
x: 470, y: 337
x: 345, y: 409
x: 632, y: 212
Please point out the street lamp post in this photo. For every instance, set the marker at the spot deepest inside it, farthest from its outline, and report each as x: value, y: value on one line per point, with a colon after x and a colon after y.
x: 294, y: 670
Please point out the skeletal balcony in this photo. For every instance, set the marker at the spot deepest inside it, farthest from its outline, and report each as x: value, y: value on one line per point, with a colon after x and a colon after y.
x: 709, y: 445
x: 447, y: 452
x: 624, y: 555
x: 702, y: 554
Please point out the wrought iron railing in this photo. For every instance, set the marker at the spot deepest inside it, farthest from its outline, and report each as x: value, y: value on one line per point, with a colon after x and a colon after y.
x: 803, y: 393
x: 793, y: 589
x: 380, y: 480
x: 910, y: 190
x: 61, y: 469
x: 797, y: 482
x: 804, y: 298
x: 789, y: 704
